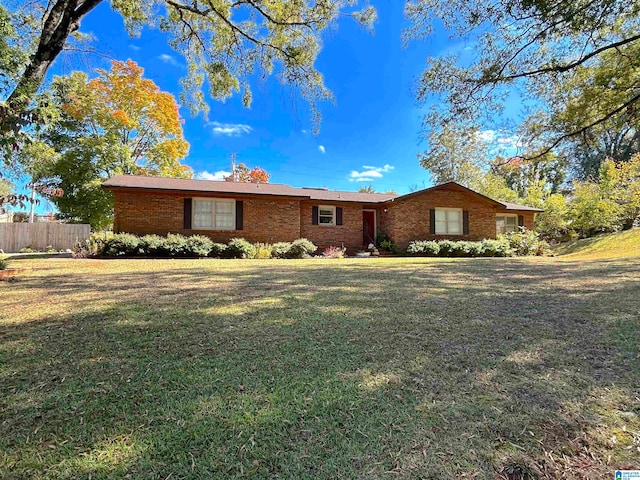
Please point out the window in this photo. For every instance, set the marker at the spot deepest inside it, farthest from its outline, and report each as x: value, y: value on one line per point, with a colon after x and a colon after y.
x: 506, y: 223
x: 448, y: 221
x: 326, y: 215
x: 213, y: 214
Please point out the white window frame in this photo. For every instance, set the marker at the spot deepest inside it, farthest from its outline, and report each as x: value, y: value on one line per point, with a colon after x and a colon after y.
x: 513, y: 215
x: 333, y: 215
x: 214, y: 201
x: 460, y: 217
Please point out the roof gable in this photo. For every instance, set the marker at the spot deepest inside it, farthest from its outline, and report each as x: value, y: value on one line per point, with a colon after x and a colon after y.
x: 461, y: 188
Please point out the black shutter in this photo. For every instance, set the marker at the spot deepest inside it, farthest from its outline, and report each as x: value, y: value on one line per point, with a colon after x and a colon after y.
x: 465, y: 222
x: 239, y: 214
x: 338, y: 215
x: 432, y: 221
x: 521, y: 220
x: 314, y: 215
x: 187, y: 213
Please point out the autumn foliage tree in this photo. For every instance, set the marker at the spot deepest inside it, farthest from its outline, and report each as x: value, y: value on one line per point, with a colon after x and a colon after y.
x: 248, y: 175
x: 116, y: 123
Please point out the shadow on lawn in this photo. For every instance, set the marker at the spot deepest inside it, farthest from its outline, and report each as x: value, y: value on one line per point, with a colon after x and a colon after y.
x: 350, y: 370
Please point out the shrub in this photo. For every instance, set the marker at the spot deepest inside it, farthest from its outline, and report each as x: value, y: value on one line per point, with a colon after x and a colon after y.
x: 389, y: 246
x: 426, y: 248
x: 28, y: 249
x: 280, y: 249
x: 333, y: 252
x: 239, y: 248
x: 525, y: 242
x: 50, y: 249
x: 93, y: 246
x: 446, y: 248
x: 152, y: 245
x: 496, y: 248
x: 173, y: 245
x: 262, y: 250
x: 301, y: 248
x: 198, y: 246
x: 218, y: 250
x: 122, y: 244
x: 4, y: 263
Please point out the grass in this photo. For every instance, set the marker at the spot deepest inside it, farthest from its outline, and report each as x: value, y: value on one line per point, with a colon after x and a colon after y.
x: 621, y: 245
x: 358, y: 368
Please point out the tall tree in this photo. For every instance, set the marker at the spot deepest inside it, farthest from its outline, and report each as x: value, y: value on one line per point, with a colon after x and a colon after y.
x: 530, y: 47
x: 367, y: 189
x: 456, y: 153
x: 223, y: 42
x: 117, y: 123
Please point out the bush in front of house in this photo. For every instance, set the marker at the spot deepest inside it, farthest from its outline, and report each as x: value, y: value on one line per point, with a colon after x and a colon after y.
x: 218, y: 250
x: 526, y: 242
x: 122, y: 245
x: 262, y: 251
x: 425, y: 248
x: 462, y: 248
x: 280, y: 249
x: 175, y: 245
x: 301, y: 248
x: 239, y: 248
x: 495, y: 248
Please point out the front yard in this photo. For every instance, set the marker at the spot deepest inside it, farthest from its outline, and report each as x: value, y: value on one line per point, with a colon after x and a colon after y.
x: 370, y: 368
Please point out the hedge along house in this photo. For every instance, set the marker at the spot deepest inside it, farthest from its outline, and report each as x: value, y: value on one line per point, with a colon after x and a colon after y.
x: 270, y: 213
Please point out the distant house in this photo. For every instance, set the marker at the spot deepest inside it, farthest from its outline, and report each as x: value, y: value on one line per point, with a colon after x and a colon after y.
x: 271, y: 213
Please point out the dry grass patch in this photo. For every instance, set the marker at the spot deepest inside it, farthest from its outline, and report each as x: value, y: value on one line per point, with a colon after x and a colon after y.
x: 372, y: 368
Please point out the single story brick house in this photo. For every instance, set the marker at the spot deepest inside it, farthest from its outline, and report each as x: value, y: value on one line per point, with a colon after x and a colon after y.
x: 271, y: 213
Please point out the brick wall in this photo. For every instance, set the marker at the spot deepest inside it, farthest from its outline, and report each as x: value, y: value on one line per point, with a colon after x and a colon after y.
x: 349, y: 233
x: 265, y: 220
x: 273, y: 220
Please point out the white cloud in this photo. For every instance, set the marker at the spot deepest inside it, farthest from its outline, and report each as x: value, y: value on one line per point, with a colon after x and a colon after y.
x: 487, y: 135
x: 369, y: 173
x: 168, y: 59
x: 499, y: 139
x: 219, y: 175
x: 229, y: 129
x: 321, y: 149
x: 134, y: 47
x: 304, y: 131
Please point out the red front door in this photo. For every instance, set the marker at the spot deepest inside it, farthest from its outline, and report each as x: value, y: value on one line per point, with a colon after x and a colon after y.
x: 368, y: 228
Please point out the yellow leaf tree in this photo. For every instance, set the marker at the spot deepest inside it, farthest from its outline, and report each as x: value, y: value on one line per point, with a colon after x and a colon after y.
x: 116, y: 123
x: 130, y: 111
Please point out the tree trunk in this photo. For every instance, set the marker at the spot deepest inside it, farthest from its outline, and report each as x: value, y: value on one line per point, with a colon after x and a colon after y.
x: 60, y: 22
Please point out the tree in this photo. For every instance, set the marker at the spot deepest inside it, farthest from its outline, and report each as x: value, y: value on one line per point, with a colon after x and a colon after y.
x: 116, y: 123
x: 366, y: 189
x: 223, y: 42
x: 592, y: 212
x: 623, y: 186
x: 530, y: 47
x: 245, y: 174
x: 553, y: 224
x: 6, y: 189
x: 456, y: 153
x: 520, y: 174
x: 586, y: 97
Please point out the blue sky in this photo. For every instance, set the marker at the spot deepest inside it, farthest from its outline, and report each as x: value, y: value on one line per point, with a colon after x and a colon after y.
x: 370, y: 136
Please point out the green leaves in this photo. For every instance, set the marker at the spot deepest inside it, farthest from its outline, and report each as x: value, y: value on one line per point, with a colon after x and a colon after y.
x: 546, y: 51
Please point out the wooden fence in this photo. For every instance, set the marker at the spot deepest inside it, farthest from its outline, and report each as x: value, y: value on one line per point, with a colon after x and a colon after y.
x: 61, y: 236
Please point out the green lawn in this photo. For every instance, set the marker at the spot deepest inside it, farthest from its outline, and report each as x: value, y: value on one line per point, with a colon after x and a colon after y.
x: 367, y: 368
